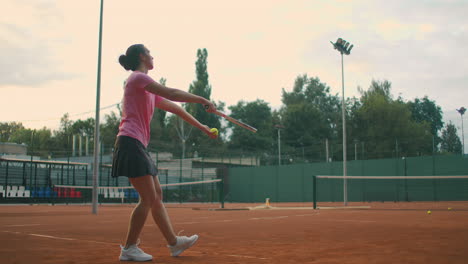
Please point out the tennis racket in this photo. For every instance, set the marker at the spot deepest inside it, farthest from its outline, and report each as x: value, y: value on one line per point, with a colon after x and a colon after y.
x: 233, y: 120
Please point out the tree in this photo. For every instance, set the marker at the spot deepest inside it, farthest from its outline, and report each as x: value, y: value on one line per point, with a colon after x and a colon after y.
x: 450, y: 142
x: 386, y: 125
x: 9, y: 128
x: 109, y: 130
x: 257, y: 114
x: 202, y: 87
x: 310, y: 115
x: 426, y: 110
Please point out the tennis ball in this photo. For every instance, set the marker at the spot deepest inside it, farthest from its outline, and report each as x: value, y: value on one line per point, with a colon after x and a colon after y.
x: 214, y: 131
x: 450, y: 208
x: 429, y: 212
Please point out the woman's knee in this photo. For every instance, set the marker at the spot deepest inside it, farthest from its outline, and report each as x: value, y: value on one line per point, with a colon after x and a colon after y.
x: 148, y: 202
x: 159, y: 193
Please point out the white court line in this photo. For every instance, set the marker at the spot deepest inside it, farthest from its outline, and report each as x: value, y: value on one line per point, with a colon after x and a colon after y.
x: 268, y: 218
x: 22, y: 225
x: 60, y: 238
x: 358, y: 221
x: 53, y: 237
x: 307, y: 214
x: 241, y: 256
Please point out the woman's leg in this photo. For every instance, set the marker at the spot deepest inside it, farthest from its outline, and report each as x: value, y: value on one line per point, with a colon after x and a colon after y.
x: 160, y: 216
x: 145, y: 188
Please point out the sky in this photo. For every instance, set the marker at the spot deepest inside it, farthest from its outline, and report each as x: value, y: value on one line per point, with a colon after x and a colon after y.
x: 48, y: 58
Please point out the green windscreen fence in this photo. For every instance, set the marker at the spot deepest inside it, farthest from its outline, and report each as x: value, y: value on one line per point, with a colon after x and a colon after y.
x: 294, y: 183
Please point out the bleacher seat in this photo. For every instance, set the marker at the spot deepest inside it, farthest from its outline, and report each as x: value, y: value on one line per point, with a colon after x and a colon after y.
x: 27, y: 193
x: 14, y: 188
x: 12, y: 193
x: 21, y: 188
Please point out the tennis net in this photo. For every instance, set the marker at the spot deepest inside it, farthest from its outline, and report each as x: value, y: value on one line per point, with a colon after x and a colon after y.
x: 207, y: 191
x: 328, y: 188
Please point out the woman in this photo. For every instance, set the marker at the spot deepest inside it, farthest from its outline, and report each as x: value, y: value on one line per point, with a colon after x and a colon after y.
x: 131, y: 159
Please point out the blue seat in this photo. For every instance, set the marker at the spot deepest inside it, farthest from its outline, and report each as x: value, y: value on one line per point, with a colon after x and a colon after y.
x: 47, y: 193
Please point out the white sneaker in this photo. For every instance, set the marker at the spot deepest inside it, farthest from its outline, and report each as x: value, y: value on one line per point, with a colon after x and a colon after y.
x: 133, y: 253
x: 183, y: 243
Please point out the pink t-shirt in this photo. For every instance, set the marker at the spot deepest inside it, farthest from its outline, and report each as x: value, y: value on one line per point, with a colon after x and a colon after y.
x: 138, y: 108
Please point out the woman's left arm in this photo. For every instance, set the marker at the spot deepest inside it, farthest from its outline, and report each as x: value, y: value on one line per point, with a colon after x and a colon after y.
x: 174, y: 108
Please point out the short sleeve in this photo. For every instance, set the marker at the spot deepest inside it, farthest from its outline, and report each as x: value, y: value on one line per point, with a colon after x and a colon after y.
x: 142, y: 80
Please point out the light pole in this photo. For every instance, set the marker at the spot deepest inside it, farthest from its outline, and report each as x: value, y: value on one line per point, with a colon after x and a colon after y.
x: 279, y: 127
x: 96, y: 126
x: 462, y: 112
x: 343, y: 47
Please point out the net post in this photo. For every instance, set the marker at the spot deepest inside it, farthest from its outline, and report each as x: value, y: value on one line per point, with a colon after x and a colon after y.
x: 221, y: 192
x: 314, y: 190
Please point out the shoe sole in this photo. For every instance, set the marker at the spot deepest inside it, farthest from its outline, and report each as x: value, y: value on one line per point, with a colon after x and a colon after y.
x: 181, y: 251
x: 132, y: 259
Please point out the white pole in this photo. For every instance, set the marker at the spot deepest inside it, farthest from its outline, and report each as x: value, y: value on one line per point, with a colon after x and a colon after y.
x: 80, y: 141
x: 355, y: 150
x: 279, y: 147
x: 87, y: 145
x: 74, y: 146
x: 343, y: 117
x: 96, y: 126
x: 326, y: 150
x: 463, y: 137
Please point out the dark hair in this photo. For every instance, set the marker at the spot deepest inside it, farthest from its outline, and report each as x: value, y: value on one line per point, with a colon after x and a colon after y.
x: 131, y: 59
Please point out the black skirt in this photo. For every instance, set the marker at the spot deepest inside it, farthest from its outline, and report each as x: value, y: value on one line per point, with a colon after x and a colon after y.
x: 131, y: 159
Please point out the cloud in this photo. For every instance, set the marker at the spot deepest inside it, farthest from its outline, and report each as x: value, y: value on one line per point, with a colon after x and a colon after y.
x: 27, y: 42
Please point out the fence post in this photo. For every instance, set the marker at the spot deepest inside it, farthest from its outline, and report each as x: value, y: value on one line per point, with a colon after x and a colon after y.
x: 24, y: 174
x: 314, y: 190
x: 6, y: 178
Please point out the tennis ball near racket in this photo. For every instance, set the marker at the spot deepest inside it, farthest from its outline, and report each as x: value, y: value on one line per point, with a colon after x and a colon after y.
x: 214, y: 131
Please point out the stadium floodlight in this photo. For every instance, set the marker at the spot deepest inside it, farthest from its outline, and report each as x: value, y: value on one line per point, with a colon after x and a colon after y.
x: 343, y: 47
x: 462, y: 112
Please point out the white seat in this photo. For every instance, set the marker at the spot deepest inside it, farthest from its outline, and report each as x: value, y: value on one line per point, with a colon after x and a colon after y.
x: 14, y: 188
x: 1, y: 188
x: 21, y: 188
x: 3, y: 193
x: 12, y: 193
x: 121, y: 195
x: 27, y: 193
x: 20, y: 193
x: 8, y: 188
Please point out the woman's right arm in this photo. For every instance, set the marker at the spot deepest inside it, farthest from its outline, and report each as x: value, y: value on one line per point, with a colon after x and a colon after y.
x: 179, y: 95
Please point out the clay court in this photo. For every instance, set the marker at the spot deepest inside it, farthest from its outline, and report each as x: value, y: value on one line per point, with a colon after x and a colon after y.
x: 383, y: 233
